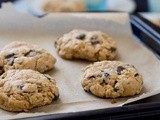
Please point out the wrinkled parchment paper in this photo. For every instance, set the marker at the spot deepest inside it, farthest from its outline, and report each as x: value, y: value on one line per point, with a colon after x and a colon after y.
x: 68, y: 74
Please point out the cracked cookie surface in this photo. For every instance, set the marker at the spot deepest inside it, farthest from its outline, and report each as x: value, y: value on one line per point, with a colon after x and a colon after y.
x: 112, y: 79
x: 23, y: 55
x: 87, y: 45
x: 22, y: 90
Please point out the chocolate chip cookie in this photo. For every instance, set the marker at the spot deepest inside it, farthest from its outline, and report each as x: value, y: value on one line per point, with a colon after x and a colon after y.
x: 63, y: 6
x: 22, y: 90
x: 112, y: 79
x: 23, y: 55
x: 87, y: 45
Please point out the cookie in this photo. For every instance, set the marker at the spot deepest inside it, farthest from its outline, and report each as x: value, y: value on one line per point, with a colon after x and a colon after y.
x: 22, y: 90
x: 23, y: 55
x: 63, y: 6
x: 112, y: 79
x: 86, y: 45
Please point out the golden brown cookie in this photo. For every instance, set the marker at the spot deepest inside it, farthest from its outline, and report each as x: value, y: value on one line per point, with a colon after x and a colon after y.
x: 87, y: 45
x: 112, y: 79
x: 63, y: 6
x: 22, y: 90
x: 23, y: 55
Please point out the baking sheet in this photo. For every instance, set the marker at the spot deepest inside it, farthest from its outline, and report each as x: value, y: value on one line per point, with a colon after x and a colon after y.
x: 68, y: 74
x: 153, y: 17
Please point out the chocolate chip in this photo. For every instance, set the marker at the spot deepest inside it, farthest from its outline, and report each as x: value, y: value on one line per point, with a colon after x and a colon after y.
x: 94, y: 42
x: 10, y: 56
x: 31, y: 53
x: 116, y: 89
x: 10, y: 61
x: 120, y: 69
x: 90, y: 77
x: 81, y: 36
x: 106, y: 74
x: 136, y: 75
x: 1, y: 67
x: 20, y: 87
x: 112, y: 49
x: 2, y: 77
x: 115, y: 82
x: 107, y: 56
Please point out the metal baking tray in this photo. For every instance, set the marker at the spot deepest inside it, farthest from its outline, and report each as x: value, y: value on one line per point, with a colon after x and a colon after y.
x: 147, y: 32
x: 148, y: 108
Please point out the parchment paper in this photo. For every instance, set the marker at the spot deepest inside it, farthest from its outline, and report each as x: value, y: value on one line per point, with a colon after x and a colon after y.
x: 68, y: 74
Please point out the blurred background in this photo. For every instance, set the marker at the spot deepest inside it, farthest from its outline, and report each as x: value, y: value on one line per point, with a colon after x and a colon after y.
x: 43, y: 7
x: 131, y: 6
